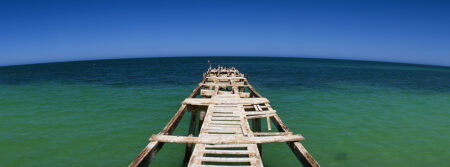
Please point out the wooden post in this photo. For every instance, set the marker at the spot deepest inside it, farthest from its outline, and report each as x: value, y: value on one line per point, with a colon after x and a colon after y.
x: 256, y: 124
x: 191, y: 133
x: 202, y: 117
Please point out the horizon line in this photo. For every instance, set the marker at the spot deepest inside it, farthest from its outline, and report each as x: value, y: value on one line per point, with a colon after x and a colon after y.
x: 189, y: 56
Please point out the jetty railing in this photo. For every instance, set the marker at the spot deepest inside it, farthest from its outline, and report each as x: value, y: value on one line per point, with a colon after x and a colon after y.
x: 222, y: 107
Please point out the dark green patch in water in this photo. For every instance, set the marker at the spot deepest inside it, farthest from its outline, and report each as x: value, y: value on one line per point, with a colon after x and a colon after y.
x: 341, y: 156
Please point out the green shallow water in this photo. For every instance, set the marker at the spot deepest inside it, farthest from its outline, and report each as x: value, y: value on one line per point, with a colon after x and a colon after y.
x: 101, y: 113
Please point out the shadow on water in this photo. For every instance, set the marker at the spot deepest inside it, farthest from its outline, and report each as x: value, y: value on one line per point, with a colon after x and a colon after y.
x: 341, y: 156
x: 263, y: 71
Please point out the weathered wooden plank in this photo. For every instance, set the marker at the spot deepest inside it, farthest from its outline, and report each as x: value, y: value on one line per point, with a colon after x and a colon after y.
x: 214, y: 159
x: 259, y: 112
x: 215, y: 118
x: 225, y: 139
x: 223, y: 84
x: 255, y: 154
x: 236, y: 78
x: 226, y: 151
x: 226, y: 126
x: 260, y: 116
x: 226, y: 122
x: 231, y: 114
x: 245, y: 101
x: 234, y: 131
x: 196, y: 165
x: 197, y: 153
x: 271, y: 133
x: 222, y: 127
x: 226, y: 145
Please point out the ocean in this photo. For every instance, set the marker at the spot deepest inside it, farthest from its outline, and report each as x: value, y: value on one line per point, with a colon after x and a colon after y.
x: 102, y: 112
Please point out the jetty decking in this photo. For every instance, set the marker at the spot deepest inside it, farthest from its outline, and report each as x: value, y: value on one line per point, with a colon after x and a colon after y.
x: 222, y: 108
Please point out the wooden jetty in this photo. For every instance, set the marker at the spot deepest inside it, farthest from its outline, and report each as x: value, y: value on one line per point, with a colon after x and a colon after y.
x: 222, y: 107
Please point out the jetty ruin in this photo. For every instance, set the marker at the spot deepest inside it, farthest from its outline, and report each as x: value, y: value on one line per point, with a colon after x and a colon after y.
x: 225, y: 125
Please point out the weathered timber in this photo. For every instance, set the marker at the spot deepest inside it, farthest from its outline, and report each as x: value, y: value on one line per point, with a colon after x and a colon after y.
x: 249, y: 101
x: 191, y: 133
x: 225, y: 139
x: 223, y: 104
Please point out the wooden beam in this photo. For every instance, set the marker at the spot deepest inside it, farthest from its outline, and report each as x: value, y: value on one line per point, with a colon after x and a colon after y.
x: 220, y: 84
x: 271, y: 133
x: 230, y: 139
x: 260, y: 116
x: 253, y: 90
x: 225, y: 78
x: 244, y: 101
x: 297, y: 148
x: 192, y: 124
x: 143, y: 159
x: 260, y: 112
x: 173, y: 123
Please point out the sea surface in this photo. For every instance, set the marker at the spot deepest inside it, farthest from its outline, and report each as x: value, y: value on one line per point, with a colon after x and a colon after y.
x: 101, y: 113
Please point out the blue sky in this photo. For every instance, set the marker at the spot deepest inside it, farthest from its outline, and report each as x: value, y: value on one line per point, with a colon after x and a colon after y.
x: 36, y: 31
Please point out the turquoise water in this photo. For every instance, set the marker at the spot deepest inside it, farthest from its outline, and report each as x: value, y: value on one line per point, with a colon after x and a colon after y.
x: 101, y: 113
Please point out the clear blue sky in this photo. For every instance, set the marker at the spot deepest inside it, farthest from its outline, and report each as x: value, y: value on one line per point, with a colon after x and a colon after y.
x: 401, y: 31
